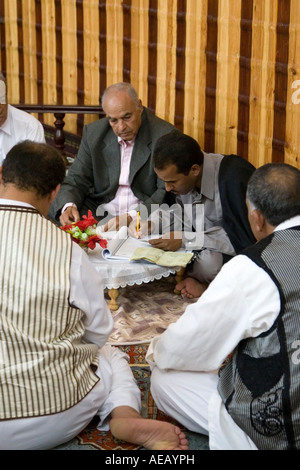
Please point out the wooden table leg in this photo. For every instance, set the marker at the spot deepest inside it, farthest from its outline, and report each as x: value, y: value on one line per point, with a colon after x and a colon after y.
x: 113, y: 294
x: 179, y: 277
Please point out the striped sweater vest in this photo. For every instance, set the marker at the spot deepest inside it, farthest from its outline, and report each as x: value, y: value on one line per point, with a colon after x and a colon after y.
x: 260, y: 386
x: 45, y: 367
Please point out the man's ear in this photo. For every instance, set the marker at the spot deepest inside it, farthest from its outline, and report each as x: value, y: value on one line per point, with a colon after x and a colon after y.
x: 195, y: 169
x: 258, y: 220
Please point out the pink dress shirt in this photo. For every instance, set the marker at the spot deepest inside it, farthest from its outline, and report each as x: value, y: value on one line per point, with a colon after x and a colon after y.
x: 124, y: 201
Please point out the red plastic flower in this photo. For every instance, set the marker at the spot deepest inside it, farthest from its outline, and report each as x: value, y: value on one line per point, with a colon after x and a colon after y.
x: 84, y: 232
x: 93, y: 239
x: 87, y: 221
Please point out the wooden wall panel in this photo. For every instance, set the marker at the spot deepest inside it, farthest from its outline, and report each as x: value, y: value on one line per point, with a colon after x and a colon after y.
x: 114, y: 40
x: 195, y: 73
x: 244, y: 77
x: 140, y: 47
x: 91, y: 55
x: 180, y: 64
x: 152, y: 54
x: 49, y: 62
x: 262, y: 88
x: 222, y: 71
x: 281, y: 80
x: 69, y: 58
x: 10, y: 25
x: 226, y: 122
x: 211, y: 76
x: 292, y: 150
x: 166, y: 60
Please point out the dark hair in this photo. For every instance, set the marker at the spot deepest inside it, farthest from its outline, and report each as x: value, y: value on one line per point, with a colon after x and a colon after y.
x: 33, y: 166
x: 177, y: 149
x: 274, y: 189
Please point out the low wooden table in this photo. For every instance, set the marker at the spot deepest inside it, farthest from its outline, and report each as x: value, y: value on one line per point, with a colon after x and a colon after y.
x: 122, y: 273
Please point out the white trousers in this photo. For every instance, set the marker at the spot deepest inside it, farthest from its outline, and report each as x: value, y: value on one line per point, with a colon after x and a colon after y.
x: 117, y: 387
x: 193, y: 400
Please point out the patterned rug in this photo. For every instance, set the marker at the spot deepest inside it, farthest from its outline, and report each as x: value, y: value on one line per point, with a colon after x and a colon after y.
x: 145, y: 311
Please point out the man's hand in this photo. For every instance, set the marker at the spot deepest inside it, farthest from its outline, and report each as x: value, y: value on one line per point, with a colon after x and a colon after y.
x: 117, y: 222
x: 170, y: 241
x: 144, y: 229
x: 70, y: 215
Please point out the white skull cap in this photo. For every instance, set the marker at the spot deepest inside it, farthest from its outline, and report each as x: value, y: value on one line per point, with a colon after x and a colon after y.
x: 2, y: 92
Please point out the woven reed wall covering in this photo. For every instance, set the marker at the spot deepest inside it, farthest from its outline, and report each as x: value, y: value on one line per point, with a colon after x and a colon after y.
x: 226, y: 72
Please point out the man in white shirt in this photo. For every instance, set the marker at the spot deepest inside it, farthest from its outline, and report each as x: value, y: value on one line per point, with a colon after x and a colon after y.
x: 57, y: 372
x: 16, y: 125
x: 229, y: 367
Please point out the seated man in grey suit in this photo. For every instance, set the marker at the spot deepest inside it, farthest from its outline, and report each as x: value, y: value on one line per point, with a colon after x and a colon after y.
x: 210, y: 213
x: 113, y: 172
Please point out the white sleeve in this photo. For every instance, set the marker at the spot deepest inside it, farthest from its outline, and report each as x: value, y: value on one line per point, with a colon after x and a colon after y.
x: 35, y: 130
x: 87, y: 293
x: 242, y: 301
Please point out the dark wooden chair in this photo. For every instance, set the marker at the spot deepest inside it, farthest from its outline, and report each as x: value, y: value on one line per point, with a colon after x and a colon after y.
x: 66, y: 142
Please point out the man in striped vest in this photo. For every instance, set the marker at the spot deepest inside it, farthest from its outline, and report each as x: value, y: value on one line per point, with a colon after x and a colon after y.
x: 245, y: 328
x: 56, y: 372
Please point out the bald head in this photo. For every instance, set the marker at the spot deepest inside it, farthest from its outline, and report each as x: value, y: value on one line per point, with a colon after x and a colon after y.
x: 274, y: 189
x: 123, y: 110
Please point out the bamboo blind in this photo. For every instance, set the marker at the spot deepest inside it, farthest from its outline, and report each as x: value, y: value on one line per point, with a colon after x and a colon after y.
x: 223, y: 71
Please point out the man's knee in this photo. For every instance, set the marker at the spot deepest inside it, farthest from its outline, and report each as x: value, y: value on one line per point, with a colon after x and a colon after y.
x: 206, y: 266
x: 160, y: 385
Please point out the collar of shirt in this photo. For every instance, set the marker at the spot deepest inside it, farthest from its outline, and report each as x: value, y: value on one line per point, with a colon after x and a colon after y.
x: 126, y: 143
x: 12, y: 202
x: 195, y: 196
x: 293, y: 222
x: 208, y: 177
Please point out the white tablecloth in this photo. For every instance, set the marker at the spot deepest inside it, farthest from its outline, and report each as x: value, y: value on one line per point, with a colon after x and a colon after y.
x: 122, y: 273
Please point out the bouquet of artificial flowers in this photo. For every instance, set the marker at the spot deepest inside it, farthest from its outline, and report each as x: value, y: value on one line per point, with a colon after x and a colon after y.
x: 84, y: 232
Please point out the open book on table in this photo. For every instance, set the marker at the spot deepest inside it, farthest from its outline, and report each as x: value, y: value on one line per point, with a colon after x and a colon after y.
x: 120, y: 245
x: 123, y: 246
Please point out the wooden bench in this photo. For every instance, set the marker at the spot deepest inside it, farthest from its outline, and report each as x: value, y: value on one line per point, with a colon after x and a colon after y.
x: 66, y: 142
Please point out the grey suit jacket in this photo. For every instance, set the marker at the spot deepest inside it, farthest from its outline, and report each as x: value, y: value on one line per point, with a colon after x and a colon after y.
x: 93, y: 178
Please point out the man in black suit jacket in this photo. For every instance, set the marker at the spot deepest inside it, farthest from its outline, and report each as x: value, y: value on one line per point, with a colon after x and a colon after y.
x: 93, y: 181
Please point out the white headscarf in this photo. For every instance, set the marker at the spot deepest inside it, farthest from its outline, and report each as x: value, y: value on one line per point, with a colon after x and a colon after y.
x: 2, y: 92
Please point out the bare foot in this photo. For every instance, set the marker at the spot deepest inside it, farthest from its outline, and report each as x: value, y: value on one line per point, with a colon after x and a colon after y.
x: 149, y: 433
x: 191, y: 288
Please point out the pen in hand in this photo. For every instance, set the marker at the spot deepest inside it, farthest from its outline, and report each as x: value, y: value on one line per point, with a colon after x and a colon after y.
x: 138, y: 221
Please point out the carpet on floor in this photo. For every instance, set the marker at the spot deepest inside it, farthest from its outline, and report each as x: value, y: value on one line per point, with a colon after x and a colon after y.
x: 144, y: 312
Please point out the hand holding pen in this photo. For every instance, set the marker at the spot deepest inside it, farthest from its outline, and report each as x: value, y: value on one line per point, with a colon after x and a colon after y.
x: 138, y: 222
x: 139, y: 228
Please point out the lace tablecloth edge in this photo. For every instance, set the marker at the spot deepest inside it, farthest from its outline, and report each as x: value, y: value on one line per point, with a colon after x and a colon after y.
x: 138, y: 282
